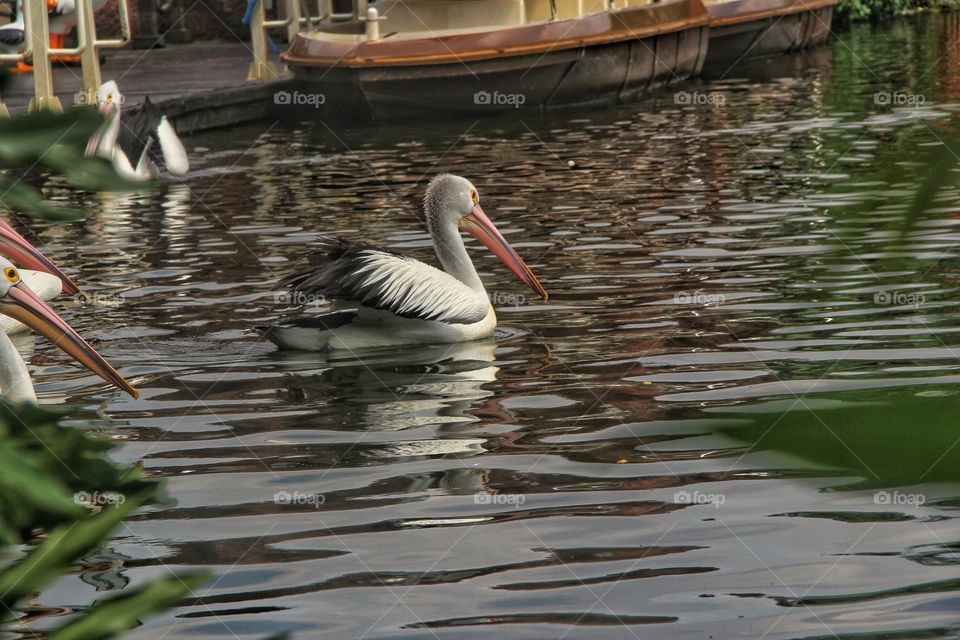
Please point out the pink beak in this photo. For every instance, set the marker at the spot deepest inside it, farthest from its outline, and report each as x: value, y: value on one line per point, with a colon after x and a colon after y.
x: 479, y: 225
x: 22, y: 253
x: 106, y: 109
x: 22, y: 304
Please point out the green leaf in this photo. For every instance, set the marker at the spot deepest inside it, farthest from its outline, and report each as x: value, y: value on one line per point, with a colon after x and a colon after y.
x: 90, y: 172
x: 24, y: 139
x: 111, y: 616
x: 17, y: 196
x: 27, y: 483
x: 65, y: 544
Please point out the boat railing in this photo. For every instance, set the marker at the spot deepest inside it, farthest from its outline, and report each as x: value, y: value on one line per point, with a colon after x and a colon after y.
x: 36, y: 36
x: 297, y: 17
x: 405, y: 16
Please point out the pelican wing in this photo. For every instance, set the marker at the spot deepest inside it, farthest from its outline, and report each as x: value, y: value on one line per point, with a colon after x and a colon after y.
x: 174, y: 155
x: 382, y: 279
x: 135, y: 132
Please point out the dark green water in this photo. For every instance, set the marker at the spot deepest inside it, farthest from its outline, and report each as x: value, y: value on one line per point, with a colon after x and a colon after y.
x: 737, y: 416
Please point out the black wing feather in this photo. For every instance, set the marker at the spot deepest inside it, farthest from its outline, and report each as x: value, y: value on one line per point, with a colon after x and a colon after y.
x: 137, y: 128
x: 344, y: 270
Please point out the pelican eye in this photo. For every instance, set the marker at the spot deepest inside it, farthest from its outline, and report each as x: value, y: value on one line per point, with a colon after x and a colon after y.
x: 474, y: 197
x: 11, y: 274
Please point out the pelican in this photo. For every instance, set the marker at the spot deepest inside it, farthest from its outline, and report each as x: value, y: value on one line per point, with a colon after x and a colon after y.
x: 21, y: 252
x: 62, y: 17
x: 20, y: 303
x: 11, y: 34
x: 130, y: 141
x: 41, y: 275
x: 12, y: 40
x: 383, y: 298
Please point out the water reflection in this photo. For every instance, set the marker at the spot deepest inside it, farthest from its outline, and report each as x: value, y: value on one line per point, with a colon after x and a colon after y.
x: 720, y: 424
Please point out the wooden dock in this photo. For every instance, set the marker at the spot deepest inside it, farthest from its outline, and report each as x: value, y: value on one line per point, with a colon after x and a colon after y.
x: 199, y: 86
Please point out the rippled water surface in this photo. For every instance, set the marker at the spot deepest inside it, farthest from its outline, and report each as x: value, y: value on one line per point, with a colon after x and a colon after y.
x: 735, y: 417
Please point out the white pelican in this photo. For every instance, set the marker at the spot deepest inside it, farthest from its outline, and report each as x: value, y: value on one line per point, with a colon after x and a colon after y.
x: 130, y: 141
x: 11, y: 35
x: 46, y: 286
x: 22, y: 304
x: 62, y: 17
x: 12, y: 39
x: 41, y: 275
x: 384, y: 298
x: 19, y: 250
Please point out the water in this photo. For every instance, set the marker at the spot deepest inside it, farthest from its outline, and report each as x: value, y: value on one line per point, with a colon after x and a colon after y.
x: 735, y: 417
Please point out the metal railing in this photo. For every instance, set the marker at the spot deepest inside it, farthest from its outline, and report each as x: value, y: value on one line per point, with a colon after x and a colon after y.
x: 36, y: 35
x: 297, y: 17
x: 22, y: 54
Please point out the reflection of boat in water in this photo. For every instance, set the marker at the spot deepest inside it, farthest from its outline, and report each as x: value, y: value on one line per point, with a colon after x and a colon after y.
x: 749, y: 28
x: 494, y: 55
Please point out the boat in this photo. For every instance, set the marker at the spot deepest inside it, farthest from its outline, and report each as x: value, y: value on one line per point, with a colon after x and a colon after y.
x: 486, y: 56
x: 741, y: 29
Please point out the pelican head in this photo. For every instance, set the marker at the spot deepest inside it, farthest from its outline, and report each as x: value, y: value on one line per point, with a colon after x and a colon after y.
x: 109, y: 98
x: 19, y: 248
x: 453, y: 202
x: 20, y: 303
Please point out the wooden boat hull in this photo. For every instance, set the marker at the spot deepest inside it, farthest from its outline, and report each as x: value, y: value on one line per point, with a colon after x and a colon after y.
x: 747, y: 28
x: 603, y: 58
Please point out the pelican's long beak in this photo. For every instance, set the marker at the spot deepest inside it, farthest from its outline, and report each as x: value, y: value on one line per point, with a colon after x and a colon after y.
x: 478, y: 224
x: 22, y: 304
x: 106, y: 108
x: 19, y: 250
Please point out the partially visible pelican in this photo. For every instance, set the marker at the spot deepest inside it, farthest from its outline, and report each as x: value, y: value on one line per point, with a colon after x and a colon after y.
x: 19, y: 250
x: 41, y: 275
x: 19, y: 302
x: 62, y: 17
x: 11, y: 34
x: 384, y: 298
x: 45, y: 285
x: 128, y: 142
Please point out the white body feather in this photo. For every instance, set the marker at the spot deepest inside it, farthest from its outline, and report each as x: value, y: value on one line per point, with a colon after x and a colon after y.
x: 375, y: 328
x: 414, y: 288
x: 15, y: 382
